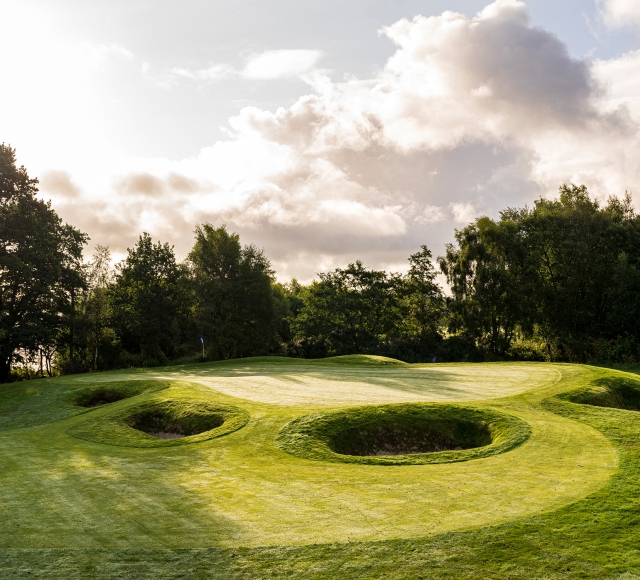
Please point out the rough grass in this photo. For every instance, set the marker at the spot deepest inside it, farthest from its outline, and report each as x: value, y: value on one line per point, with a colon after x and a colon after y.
x: 563, y: 504
x: 405, y: 434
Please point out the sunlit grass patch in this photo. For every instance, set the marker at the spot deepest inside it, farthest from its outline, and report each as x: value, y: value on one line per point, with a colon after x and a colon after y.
x: 360, y: 359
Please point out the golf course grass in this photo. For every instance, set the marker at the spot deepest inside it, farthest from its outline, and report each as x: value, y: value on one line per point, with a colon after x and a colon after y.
x: 353, y: 467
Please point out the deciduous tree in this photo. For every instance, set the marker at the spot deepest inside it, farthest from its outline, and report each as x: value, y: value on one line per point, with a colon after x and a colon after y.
x: 40, y: 266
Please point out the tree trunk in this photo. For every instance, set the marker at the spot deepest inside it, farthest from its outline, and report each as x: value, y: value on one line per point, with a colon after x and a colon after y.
x: 5, y: 370
x: 71, y: 325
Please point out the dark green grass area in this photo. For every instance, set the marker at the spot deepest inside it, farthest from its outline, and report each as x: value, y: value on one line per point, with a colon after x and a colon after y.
x: 403, y: 434
x: 135, y: 426
x: 595, y: 538
x: 617, y: 392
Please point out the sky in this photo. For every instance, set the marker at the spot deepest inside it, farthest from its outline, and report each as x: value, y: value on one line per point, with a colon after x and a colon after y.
x: 322, y: 131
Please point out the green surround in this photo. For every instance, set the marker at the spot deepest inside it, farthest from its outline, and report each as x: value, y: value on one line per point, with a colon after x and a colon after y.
x: 560, y: 504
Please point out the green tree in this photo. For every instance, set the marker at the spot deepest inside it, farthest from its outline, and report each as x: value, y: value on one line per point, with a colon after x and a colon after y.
x: 351, y: 310
x: 237, y: 308
x: 40, y: 267
x: 87, y: 331
x: 579, y: 250
x: 96, y: 304
x: 489, y: 276
x: 566, y: 269
x: 145, y: 301
x: 425, y: 302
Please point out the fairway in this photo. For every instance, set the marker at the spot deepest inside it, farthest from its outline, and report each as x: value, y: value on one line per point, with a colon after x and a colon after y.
x: 79, y: 477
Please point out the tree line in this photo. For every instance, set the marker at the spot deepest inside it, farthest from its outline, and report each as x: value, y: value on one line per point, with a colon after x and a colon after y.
x: 559, y: 281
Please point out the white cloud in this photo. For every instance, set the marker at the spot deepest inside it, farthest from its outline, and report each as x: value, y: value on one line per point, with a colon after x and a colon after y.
x: 463, y: 212
x: 620, y: 13
x: 278, y: 64
x: 97, y: 54
x: 264, y: 66
x: 621, y: 76
x: 429, y: 214
x: 214, y: 73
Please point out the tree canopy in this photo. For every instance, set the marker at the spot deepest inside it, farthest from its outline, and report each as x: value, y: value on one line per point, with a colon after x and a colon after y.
x: 40, y: 267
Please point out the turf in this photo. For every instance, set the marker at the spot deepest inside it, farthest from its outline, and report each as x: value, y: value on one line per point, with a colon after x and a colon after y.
x: 563, y: 503
x: 403, y: 434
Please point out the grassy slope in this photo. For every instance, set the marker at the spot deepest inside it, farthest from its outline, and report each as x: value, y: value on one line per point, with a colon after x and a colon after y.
x: 240, y: 490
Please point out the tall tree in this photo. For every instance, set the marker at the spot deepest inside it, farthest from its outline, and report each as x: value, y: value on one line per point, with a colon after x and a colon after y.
x: 578, y: 248
x: 236, y: 305
x: 490, y: 279
x: 351, y: 310
x: 96, y: 299
x: 424, y: 297
x: 145, y: 301
x: 40, y: 266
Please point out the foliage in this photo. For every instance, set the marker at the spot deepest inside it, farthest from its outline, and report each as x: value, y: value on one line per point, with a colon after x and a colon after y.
x: 357, y: 310
x: 556, y: 282
x: 145, y: 301
x: 238, y: 308
x: 341, y: 311
x: 40, y: 269
x: 565, y: 272
x: 89, y: 342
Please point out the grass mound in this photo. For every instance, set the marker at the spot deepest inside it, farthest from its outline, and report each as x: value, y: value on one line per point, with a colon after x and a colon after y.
x: 612, y: 392
x: 361, y: 359
x: 100, y: 395
x: 162, y: 423
x: 403, y: 434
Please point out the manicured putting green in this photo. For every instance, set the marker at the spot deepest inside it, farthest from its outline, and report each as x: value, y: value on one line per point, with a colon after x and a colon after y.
x: 72, y: 479
x: 354, y: 380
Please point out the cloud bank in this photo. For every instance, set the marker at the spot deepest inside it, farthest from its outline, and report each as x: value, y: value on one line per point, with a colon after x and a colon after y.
x: 467, y: 117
